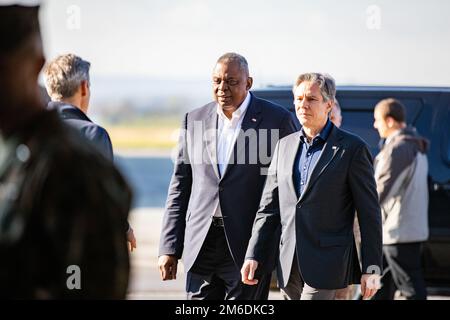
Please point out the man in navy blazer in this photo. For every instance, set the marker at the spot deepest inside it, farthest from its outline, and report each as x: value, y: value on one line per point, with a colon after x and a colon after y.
x: 318, y: 178
x: 224, y: 151
x: 68, y: 85
x: 79, y: 120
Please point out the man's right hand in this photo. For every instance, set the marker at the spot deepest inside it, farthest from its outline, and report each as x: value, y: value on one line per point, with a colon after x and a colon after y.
x: 168, y: 267
x: 248, y: 272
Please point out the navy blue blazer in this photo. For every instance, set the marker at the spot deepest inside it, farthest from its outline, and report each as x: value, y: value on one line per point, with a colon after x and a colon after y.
x: 318, y: 224
x: 80, y: 121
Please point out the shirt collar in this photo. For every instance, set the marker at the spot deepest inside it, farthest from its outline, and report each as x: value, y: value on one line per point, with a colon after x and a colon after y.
x: 323, y: 135
x: 66, y: 110
x: 394, y: 134
x: 239, y: 112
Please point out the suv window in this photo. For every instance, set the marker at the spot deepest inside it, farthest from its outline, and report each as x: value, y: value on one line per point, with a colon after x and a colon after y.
x: 357, y: 116
x: 413, y: 106
x: 361, y: 124
x: 446, y: 140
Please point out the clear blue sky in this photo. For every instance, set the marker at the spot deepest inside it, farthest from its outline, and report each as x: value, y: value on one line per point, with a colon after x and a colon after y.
x: 396, y: 42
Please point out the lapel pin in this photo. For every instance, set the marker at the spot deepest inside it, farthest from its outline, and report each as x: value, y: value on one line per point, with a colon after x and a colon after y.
x: 254, y: 119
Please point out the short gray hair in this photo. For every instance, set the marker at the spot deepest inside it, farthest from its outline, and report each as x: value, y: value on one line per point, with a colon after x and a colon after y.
x: 326, y: 84
x: 64, y: 74
x: 235, y: 57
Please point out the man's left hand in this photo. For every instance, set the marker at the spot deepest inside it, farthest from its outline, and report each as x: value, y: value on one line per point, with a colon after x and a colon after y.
x: 370, y: 283
x: 131, y: 239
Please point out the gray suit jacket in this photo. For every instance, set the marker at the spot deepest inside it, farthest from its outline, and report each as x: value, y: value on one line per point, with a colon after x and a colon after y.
x: 401, y: 171
x: 319, y: 224
x: 196, y: 187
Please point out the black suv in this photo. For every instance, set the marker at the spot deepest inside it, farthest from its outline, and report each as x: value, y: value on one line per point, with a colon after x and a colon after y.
x: 428, y: 109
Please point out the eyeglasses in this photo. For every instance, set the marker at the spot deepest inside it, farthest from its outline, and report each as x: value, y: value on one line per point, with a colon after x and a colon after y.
x: 229, y: 83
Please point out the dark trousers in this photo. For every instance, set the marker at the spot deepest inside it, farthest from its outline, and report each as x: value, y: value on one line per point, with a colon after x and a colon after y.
x: 404, y: 274
x: 215, y: 276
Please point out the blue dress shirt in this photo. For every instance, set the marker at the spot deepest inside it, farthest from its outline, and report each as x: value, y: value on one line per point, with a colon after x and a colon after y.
x: 307, y: 156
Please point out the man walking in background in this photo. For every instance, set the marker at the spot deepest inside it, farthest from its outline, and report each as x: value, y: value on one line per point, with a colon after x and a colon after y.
x: 68, y: 85
x: 350, y: 291
x: 401, y: 170
x: 336, y: 114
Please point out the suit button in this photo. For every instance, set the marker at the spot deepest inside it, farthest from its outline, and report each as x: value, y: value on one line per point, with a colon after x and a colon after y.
x: 220, y: 188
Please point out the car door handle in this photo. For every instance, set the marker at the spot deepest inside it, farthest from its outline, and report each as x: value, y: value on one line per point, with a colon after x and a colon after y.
x: 441, y: 186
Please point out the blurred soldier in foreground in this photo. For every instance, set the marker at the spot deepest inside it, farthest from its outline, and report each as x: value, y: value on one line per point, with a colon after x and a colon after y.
x: 63, y: 206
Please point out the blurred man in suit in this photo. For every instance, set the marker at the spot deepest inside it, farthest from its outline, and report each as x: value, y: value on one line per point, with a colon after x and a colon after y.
x: 68, y: 84
x: 349, y: 292
x: 224, y: 151
x: 318, y: 178
x: 336, y: 114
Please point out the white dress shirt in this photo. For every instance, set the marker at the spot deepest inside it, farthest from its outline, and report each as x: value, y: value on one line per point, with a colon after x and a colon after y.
x: 227, y: 133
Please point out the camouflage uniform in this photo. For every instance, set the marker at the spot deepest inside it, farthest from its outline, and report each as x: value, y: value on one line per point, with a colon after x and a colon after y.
x: 61, y: 204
